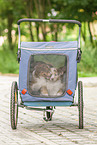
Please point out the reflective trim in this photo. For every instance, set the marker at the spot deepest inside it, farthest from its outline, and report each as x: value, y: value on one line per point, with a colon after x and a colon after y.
x: 45, y: 20
x: 48, y: 49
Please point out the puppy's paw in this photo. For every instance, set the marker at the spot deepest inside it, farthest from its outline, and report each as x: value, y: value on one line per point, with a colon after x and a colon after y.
x: 60, y: 92
x: 44, y: 91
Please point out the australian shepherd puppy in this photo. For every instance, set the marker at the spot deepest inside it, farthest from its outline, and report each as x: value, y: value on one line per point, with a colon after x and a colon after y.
x: 47, y: 80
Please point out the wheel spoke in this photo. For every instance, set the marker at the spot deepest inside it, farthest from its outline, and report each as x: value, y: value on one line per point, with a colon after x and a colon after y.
x: 80, y: 104
x: 14, y: 106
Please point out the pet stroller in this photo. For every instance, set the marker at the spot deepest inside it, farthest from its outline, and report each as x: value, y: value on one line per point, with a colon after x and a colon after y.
x: 47, y: 75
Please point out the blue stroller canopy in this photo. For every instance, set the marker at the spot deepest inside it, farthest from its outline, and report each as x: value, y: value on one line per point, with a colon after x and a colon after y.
x: 48, y: 70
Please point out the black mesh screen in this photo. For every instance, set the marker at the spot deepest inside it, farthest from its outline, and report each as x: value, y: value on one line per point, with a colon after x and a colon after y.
x: 47, y: 75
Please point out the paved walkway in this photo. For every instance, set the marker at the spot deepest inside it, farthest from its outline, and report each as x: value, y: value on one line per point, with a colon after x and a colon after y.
x: 62, y: 130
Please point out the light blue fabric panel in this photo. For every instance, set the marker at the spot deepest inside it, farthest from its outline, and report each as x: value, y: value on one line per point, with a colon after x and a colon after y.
x: 25, y: 55
x: 55, y: 45
x: 41, y: 104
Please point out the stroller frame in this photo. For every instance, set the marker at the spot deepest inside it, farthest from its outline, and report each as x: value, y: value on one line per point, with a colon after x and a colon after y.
x: 50, y: 105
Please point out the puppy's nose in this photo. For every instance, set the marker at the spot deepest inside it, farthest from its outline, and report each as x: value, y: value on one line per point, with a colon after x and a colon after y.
x: 51, y: 78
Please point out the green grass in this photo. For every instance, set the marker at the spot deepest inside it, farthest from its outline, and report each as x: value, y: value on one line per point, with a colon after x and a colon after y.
x: 88, y: 65
x: 82, y: 74
x: 86, y: 68
x: 8, y: 62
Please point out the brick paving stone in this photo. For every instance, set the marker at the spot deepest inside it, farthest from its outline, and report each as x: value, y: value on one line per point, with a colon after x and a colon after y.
x: 63, y: 129
x: 91, y: 144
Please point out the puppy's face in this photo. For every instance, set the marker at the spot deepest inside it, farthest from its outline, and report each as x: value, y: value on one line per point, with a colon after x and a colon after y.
x: 44, y: 74
x: 54, y: 74
x: 42, y: 70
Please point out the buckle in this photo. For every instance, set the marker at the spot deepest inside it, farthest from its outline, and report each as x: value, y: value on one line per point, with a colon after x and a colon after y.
x: 79, y: 52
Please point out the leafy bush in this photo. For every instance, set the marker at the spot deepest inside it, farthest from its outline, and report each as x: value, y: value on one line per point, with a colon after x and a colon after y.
x: 8, y: 63
x: 88, y: 64
x: 86, y: 68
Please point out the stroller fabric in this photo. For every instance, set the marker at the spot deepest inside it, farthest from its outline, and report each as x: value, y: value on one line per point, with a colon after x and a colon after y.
x: 48, y: 70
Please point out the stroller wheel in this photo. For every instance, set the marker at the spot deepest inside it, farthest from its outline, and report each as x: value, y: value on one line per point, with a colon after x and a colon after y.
x: 80, y: 104
x: 14, y: 105
x: 49, y: 114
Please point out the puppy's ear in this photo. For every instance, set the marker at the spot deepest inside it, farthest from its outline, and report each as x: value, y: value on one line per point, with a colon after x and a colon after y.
x: 62, y: 70
x: 37, y: 71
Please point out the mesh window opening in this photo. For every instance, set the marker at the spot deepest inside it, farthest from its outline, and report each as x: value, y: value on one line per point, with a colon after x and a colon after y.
x: 47, y: 75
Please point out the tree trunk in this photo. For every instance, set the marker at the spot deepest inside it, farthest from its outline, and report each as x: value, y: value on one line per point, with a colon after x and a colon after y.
x: 37, y: 31
x: 56, y: 32
x: 10, y: 22
x: 29, y: 15
x: 40, y: 6
x: 56, y: 36
x: 31, y: 32
x: 43, y: 26
x: 91, y: 37
x: 52, y: 32
x: 83, y: 32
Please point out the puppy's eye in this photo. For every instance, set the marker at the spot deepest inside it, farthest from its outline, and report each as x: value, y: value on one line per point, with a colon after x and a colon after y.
x: 55, y: 74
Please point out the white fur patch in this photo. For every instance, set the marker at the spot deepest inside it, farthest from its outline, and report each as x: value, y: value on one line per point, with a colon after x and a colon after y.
x: 54, y: 74
x: 52, y: 87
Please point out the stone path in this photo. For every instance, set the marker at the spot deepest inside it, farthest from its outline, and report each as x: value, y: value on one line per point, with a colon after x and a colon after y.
x: 62, y: 130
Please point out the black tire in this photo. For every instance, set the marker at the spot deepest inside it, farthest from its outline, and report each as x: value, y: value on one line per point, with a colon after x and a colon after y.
x: 80, y: 104
x: 49, y: 114
x: 14, y: 105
